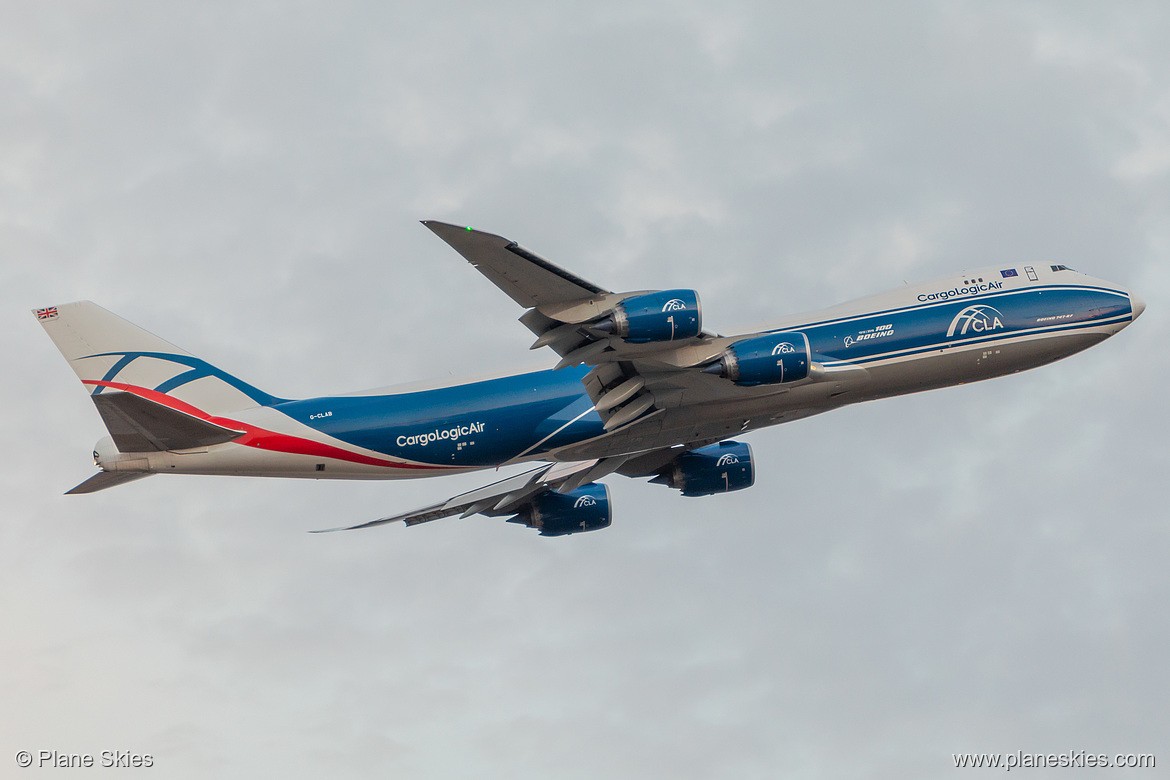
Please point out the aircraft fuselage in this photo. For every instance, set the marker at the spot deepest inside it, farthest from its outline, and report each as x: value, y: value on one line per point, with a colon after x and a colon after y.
x: 966, y: 328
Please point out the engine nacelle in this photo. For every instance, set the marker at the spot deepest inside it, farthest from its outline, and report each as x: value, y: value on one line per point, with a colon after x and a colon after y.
x: 556, y: 514
x: 718, y: 468
x: 669, y: 315
x: 765, y: 360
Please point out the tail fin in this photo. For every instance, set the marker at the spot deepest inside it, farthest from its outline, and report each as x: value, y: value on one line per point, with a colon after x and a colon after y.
x: 109, y: 354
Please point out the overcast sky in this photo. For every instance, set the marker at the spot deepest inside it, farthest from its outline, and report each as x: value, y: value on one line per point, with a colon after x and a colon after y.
x: 977, y: 569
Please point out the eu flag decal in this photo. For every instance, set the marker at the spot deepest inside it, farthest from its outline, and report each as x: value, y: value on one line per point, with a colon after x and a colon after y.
x: 1008, y: 273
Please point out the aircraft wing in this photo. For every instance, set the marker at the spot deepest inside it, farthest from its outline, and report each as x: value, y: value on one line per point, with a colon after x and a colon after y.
x: 631, y: 383
x: 527, y: 278
x: 511, y: 496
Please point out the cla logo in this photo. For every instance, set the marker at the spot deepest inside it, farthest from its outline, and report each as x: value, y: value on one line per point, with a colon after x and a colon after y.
x: 726, y: 460
x: 977, y: 319
x: 674, y: 304
x: 783, y: 348
x: 584, y: 501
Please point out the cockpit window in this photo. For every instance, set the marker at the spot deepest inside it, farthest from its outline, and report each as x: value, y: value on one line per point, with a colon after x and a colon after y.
x: 1061, y: 268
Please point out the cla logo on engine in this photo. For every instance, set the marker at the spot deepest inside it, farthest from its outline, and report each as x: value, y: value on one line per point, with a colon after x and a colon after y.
x: 726, y: 460
x: 674, y: 304
x: 977, y: 319
x: 584, y: 501
x: 783, y: 348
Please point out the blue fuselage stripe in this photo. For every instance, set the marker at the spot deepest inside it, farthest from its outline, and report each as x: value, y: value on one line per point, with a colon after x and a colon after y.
x: 199, y: 369
x: 487, y: 423
x: 479, y: 424
x: 907, y: 331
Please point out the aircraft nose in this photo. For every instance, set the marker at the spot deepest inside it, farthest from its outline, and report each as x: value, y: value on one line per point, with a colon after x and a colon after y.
x: 1137, y: 304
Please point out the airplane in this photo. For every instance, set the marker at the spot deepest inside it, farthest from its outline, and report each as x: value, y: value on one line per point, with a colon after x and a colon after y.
x: 641, y: 389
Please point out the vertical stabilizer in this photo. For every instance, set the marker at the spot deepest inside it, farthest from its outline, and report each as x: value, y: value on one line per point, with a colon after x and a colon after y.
x: 109, y: 354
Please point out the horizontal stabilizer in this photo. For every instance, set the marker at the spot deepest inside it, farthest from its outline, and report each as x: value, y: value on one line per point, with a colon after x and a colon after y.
x: 107, y: 479
x: 140, y: 425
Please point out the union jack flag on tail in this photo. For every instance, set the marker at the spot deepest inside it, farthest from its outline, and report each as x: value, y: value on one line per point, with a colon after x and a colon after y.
x: 47, y: 314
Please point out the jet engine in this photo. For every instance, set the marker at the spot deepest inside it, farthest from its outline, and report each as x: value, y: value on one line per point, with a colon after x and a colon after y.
x: 764, y: 360
x: 556, y: 514
x: 668, y: 315
x: 718, y: 468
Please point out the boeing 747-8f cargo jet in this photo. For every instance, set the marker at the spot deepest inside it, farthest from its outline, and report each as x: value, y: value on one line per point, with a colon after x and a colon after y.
x: 641, y: 389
